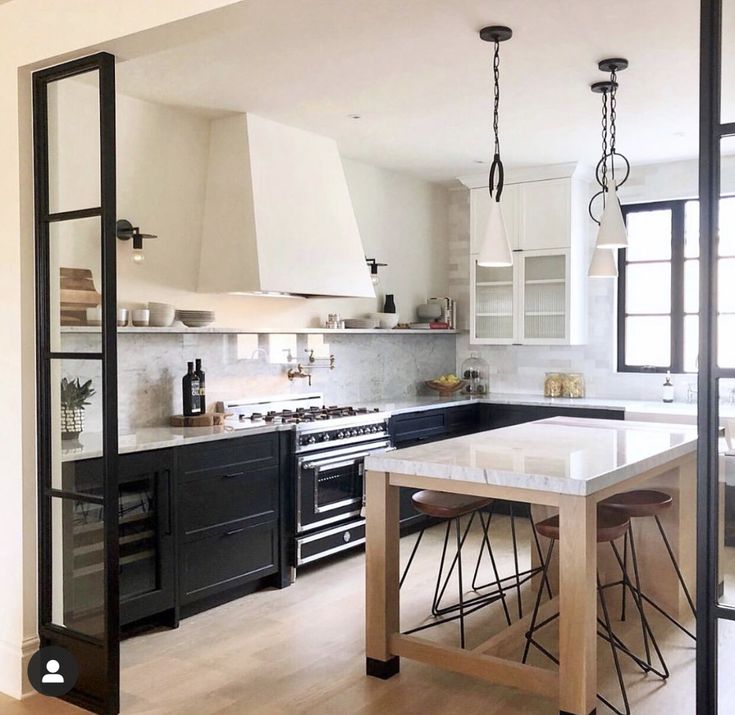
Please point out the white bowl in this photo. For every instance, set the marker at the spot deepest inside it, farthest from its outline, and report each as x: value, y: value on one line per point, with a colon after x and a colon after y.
x: 162, y: 318
x: 387, y: 321
x: 141, y: 318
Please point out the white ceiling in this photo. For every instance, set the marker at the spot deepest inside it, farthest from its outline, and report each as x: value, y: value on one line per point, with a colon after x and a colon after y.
x: 420, y: 78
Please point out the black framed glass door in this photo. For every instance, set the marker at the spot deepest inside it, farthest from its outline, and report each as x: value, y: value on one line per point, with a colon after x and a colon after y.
x: 716, y: 382
x: 75, y: 213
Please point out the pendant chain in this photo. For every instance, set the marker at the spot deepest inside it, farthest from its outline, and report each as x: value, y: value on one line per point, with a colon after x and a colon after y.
x: 496, y: 78
x: 613, y: 117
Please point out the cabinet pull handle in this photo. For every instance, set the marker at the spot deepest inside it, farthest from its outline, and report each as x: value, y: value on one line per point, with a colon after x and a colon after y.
x: 233, y: 475
x: 234, y: 531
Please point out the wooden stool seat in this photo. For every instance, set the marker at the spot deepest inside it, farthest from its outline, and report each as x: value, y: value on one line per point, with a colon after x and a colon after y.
x: 640, y: 502
x: 611, y: 524
x: 447, y: 506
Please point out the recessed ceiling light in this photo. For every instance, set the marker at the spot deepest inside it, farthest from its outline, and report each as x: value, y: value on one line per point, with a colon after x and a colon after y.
x: 679, y: 135
x: 354, y: 116
x: 480, y: 161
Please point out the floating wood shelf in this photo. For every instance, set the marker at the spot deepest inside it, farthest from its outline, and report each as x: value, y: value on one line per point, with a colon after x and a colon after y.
x: 246, y: 331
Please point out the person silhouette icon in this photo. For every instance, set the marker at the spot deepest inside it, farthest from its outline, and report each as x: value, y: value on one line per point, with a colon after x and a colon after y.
x: 53, y: 675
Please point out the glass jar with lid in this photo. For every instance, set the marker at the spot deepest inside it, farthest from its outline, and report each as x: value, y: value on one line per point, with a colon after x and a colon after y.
x: 573, y: 384
x: 553, y: 384
x: 475, y: 373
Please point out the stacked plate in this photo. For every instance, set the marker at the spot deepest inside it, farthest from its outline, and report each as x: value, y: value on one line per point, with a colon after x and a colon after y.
x: 196, y: 318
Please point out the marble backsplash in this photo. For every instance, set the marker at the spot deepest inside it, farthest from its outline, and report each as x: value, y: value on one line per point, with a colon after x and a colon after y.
x: 369, y: 368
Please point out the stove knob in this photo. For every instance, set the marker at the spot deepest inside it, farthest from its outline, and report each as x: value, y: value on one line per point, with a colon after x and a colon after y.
x: 361, y: 430
x: 353, y: 433
x: 326, y: 437
x: 311, y: 440
x: 340, y: 435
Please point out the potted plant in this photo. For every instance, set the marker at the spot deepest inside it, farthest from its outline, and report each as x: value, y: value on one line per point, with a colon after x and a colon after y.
x: 74, y: 398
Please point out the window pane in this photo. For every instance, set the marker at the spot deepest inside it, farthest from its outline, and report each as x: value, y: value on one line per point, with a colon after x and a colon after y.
x: 691, y: 229
x: 727, y: 227
x: 648, y: 341
x: 691, y: 286
x: 726, y: 340
x: 726, y: 285
x: 649, y: 235
x: 691, y: 343
x: 648, y: 288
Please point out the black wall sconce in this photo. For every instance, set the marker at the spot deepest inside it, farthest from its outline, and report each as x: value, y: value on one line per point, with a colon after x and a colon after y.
x: 125, y: 231
x: 374, y: 265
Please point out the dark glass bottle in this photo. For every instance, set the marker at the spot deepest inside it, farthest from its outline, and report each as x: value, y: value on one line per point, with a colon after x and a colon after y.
x: 202, y: 384
x: 190, y: 390
x: 390, y: 303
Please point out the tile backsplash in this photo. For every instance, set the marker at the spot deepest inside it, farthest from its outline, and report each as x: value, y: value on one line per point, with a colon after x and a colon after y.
x: 368, y: 368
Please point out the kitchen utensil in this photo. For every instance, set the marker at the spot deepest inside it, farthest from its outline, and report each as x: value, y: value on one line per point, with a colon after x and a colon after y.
x: 429, y: 311
x: 196, y: 318
x: 208, y: 419
x: 445, y: 389
x: 141, y: 317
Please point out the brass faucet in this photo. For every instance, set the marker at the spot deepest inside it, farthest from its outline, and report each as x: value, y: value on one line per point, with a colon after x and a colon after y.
x: 298, y: 373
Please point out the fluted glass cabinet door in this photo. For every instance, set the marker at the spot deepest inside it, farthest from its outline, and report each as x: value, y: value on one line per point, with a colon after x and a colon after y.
x: 544, y: 283
x: 493, y: 300
x: 75, y: 213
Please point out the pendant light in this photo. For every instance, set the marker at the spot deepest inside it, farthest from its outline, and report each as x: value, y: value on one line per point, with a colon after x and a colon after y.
x: 612, y: 233
x: 494, y: 249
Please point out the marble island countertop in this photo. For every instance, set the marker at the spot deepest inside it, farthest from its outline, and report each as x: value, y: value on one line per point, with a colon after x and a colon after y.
x: 563, y: 455
x: 149, y: 438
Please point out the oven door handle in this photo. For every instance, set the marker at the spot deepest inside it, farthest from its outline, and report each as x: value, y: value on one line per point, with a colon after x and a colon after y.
x: 344, y: 460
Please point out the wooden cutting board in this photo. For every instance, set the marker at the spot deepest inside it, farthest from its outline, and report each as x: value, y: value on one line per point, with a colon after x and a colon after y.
x: 207, y: 420
x: 77, y: 293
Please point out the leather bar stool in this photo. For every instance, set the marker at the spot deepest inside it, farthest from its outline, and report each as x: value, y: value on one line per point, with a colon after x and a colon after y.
x: 641, y: 504
x: 611, y: 525
x: 451, y: 508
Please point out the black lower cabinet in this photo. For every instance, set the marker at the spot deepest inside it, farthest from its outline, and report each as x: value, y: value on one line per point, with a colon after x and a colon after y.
x: 496, y: 416
x: 229, y: 496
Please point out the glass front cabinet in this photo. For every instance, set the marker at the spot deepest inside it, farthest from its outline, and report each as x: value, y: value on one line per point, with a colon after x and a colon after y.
x: 541, y: 299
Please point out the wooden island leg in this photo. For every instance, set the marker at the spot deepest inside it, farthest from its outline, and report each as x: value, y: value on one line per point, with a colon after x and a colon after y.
x: 577, y: 605
x: 381, y: 578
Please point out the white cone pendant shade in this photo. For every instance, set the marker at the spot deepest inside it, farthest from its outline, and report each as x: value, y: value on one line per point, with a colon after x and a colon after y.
x: 612, y: 233
x: 603, y: 264
x: 495, y: 247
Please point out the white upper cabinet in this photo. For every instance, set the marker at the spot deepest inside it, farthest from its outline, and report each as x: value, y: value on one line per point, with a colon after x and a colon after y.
x: 545, y: 220
x: 542, y: 298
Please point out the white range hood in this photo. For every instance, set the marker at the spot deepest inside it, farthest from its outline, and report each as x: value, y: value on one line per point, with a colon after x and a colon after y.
x: 278, y: 218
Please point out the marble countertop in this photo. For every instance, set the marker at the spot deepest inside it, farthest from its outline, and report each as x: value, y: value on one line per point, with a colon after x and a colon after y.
x: 149, y: 438
x: 563, y: 455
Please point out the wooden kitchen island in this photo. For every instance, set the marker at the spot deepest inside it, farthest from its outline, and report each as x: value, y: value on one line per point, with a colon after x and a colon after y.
x: 563, y: 464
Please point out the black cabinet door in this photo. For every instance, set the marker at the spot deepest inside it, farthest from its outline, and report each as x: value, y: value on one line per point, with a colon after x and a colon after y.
x: 229, y: 507
x: 419, y: 426
x: 147, y: 580
x: 497, y: 416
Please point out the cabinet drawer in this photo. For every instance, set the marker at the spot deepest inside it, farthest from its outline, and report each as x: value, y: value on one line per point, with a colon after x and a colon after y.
x: 217, y: 496
x: 228, y: 559
x: 317, y: 546
x: 463, y: 419
x: 417, y: 426
x: 259, y: 451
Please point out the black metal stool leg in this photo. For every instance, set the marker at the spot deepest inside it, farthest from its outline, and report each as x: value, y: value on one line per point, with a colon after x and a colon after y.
x: 676, y: 566
x: 625, y: 573
x: 461, y: 585
x: 436, y: 610
x: 638, y: 602
x: 534, y: 617
x: 441, y: 568
x: 486, y: 528
x: 545, y: 579
x: 614, y: 648
x: 486, y: 543
x: 515, y: 560
x: 634, y: 558
x: 410, y: 558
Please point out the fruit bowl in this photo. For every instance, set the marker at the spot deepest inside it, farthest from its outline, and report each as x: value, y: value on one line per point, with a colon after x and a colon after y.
x: 445, y: 389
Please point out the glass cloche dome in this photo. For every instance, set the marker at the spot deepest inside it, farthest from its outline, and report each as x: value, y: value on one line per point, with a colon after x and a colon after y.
x: 475, y: 372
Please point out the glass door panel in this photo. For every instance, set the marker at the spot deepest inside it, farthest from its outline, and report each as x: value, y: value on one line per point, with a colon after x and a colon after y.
x: 494, y: 303
x: 75, y: 285
x: 544, y: 296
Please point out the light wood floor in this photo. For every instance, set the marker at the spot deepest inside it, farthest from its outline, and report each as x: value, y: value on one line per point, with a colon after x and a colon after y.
x: 300, y: 650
